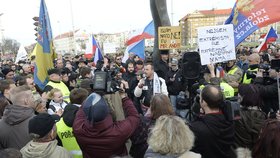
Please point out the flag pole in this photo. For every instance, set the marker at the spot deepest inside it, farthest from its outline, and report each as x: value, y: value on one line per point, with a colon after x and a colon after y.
x: 73, y: 26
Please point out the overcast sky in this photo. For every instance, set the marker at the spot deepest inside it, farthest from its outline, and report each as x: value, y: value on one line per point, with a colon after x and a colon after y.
x: 108, y: 16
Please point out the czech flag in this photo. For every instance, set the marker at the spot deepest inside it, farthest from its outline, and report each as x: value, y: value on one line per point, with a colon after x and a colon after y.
x: 44, y: 48
x: 136, y: 41
x: 248, y: 16
x: 271, y: 36
x: 91, y: 48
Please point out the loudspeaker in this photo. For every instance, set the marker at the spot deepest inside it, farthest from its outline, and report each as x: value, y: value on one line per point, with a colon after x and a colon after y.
x: 191, y: 65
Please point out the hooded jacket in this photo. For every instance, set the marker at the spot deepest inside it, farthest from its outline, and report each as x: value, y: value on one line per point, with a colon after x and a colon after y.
x: 14, y: 126
x: 44, y: 150
x: 214, y: 136
x: 105, y: 138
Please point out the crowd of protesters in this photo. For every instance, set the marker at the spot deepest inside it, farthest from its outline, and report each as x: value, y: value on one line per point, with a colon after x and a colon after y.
x: 68, y: 118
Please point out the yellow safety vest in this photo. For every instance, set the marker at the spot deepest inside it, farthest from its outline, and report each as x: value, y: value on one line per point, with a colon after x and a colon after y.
x: 231, y: 72
x: 68, y: 140
x: 245, y: 79
x: 64, y: 89
x: 227, y: 90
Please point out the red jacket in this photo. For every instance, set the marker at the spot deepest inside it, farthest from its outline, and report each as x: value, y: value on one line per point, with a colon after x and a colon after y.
x: 105, y: 138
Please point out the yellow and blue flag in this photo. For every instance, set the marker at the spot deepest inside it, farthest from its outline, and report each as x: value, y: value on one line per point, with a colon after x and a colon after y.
x: 44, y: 48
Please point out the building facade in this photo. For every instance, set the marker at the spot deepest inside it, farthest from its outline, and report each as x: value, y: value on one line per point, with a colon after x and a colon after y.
x: 67, y: 43
x: 201, y: 18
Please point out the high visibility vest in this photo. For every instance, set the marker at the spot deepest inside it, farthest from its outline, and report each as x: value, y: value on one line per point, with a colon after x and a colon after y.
x: 227, y: 90
x: 68, y: 140
x: 248, y: 80
x: 231, y: 72
x: 64, y: 89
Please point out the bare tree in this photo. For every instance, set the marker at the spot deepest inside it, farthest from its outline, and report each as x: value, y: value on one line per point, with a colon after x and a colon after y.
x: 9, y: 46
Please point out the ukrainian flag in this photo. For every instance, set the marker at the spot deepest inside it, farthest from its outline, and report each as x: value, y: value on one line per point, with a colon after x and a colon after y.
x: 44, y: 48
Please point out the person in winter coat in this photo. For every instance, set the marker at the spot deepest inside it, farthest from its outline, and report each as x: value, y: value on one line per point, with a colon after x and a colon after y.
x: 171, y: 137
x: 96, y: 133
x: 174, y: 82
x: 64, y: 126
x: 44, y: 145
x: 247, y: 128
x: 214, y: 133
x: 14, y: 123
x: 160, y: 105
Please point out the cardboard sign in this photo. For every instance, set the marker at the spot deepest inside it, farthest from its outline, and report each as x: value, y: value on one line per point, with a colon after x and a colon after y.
x: 216, y: 44
x: 169, y: 37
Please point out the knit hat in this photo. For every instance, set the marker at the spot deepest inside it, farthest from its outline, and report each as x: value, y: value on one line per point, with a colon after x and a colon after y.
x: 42, y: 124
x: 54, y: 71
x: 95, y: 108
x: 5, y: 71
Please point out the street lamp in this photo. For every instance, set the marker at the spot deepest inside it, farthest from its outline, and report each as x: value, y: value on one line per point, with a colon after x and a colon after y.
x: 1, y: 34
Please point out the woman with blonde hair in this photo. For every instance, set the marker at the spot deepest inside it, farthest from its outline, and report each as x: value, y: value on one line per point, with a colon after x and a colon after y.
x: 171, y: 137
x: 160, y: 105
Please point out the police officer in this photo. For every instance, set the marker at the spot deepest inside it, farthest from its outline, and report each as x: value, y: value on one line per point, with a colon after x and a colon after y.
x: 254, y: 61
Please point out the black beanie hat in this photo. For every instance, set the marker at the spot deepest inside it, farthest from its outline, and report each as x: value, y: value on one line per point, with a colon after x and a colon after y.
x: 42, y: 124
x: 95, y: 108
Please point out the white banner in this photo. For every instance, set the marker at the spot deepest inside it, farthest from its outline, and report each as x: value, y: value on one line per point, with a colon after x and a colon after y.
x: 216, y: 44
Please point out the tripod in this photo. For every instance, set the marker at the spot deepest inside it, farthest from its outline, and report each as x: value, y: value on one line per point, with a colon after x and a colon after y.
x: 190, y: 100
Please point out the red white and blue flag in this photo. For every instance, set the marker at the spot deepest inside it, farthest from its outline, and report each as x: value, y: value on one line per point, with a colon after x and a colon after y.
x: 136, y: 41
x: 271, y: 36
x: 92, y: 48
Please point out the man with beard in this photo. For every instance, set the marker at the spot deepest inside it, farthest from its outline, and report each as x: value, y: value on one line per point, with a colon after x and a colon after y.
x: 130, y: 77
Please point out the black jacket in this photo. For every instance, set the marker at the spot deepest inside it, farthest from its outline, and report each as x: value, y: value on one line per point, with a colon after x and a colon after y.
x: 132, y: 82
x: 174, y: 87
x: 269, y: 94
x: 214, y: 136
x: 161, y: 68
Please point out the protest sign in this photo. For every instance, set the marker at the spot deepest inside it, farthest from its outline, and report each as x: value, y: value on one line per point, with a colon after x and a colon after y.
x: 169, y: 37
x: 216, y: 44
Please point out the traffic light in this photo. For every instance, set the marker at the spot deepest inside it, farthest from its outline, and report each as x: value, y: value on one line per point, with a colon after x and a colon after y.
x: 36, y: 24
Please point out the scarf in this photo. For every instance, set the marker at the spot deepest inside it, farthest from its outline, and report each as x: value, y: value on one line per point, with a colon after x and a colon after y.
x: 156, y: 84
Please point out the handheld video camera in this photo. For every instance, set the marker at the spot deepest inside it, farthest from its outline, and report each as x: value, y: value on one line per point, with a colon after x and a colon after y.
x: 106, y: 82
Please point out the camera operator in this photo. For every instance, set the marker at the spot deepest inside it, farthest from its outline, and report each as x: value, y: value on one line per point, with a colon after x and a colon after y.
x: 214, y: 132
x: 254, y: 61
x: 268, y: 89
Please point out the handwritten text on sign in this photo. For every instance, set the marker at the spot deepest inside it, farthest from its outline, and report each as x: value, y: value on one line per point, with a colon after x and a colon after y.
x: 216, y: 44
x: 169, y: 37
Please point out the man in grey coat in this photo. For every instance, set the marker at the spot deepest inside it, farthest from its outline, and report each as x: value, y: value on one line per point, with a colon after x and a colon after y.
x: 14, y: 123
